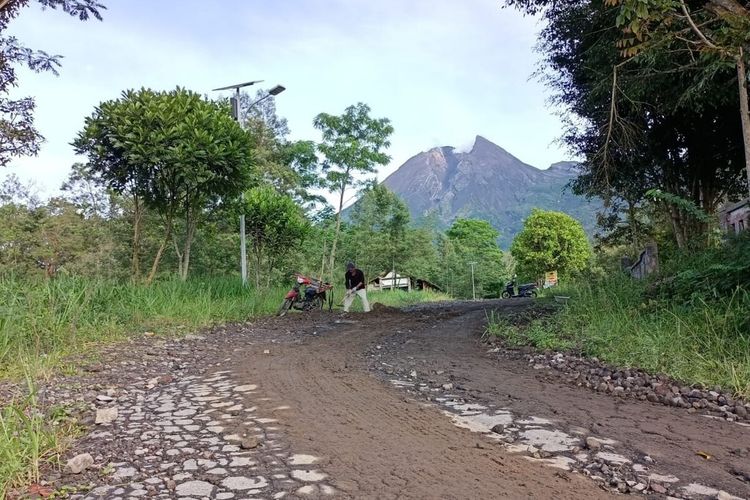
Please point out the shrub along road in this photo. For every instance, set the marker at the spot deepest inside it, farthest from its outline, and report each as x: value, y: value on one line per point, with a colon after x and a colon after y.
x: 386, y: 405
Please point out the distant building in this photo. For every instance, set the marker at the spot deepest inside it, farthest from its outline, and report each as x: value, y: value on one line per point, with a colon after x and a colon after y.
x: 735, y: 217
x: 391, y: 281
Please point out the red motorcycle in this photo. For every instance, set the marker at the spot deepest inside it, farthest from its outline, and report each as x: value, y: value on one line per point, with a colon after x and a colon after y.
x: 307, y: 294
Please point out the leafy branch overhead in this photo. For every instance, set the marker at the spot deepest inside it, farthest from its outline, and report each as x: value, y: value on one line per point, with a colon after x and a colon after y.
x: 18, y: 135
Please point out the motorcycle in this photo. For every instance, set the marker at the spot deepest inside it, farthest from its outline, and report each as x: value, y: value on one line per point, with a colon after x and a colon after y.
x: 307, y: 294
x: 525, y: 290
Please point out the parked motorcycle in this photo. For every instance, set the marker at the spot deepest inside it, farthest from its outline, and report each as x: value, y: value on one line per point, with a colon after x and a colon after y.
x: 525, y: 290
x: 307, y: 294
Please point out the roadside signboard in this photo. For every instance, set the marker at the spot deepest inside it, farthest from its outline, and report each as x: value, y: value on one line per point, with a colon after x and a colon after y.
x: 550, y: 279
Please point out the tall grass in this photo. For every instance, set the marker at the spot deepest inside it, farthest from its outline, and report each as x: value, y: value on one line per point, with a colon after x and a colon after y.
x: 28, y: 439
x: 42, y: 321
x: 705, y: 341
x: 398, y: 298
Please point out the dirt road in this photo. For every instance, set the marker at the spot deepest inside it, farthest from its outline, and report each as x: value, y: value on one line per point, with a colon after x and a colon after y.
x: 385, y: 405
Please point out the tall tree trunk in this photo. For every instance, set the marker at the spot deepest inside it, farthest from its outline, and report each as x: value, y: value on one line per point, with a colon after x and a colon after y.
x: 678, y: 227
x: 177, y: 253
x: 744, y: 110
x: 160, y: 252
x: 633, y: 227
x: 338, y: 227
x: 189, y: 235
x: 323, y: 260
x: 258, y: 263
x: 135, y: 265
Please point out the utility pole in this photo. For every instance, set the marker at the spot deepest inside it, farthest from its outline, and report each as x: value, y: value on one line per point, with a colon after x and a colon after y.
x: 237, y: 115
x: 473, y: 288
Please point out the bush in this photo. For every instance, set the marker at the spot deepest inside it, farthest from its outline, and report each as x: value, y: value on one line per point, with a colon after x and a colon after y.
x: 710, y: 274
x: 705, y: 341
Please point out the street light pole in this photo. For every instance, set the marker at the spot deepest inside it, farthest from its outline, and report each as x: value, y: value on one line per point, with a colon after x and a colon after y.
x: 237, y: 115
x: 473, y: 288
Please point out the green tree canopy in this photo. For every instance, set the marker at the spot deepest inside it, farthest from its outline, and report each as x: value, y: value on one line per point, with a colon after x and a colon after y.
x: 380, y: 223
x: 663, y: 118
x: 467, y: 241
x: 275, y: 227
x: 174, y: 151
x: 550, y: 241
x: 352, y: 144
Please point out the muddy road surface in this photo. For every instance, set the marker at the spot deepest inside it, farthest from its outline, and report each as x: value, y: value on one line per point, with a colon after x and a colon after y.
x: 391, y: 404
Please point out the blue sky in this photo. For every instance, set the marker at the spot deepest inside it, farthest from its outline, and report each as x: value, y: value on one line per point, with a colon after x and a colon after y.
x: 442, y: 71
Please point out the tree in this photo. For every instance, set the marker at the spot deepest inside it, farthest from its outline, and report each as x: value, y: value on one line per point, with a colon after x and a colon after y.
x: 716, y: 27
x: 352, y: 144
x: 174, y: 152
x: 292, y: 167
x: 550, y: 241
x: 275, y: 227
x: 18, y: 136
x: 380, y: 221
x: 473, y: 240
x: 662, y: 119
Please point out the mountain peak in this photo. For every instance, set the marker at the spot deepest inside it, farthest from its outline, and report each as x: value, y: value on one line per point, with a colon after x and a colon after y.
x: 484, y: 143
x: 487, y: 182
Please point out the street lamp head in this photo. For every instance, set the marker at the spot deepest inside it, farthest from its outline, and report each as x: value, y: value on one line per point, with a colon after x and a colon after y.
x: 278, y: 89
x: 239, y: 85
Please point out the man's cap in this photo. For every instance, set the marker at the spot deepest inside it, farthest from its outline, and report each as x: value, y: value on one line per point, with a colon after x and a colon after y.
x: 350, y: 265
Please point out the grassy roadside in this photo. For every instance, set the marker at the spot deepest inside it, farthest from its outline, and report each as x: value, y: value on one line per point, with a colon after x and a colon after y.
x: 398, y: 298
x: 42, y: 323
x: 696, y: 341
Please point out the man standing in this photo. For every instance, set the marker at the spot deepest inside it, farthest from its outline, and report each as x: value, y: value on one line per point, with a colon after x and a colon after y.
x: 355, y: 285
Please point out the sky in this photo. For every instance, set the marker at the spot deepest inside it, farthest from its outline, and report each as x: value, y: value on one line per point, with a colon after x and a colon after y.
x: 442, y: 71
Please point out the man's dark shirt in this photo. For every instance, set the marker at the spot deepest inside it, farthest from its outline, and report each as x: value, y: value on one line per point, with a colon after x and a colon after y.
x: 355, y: 280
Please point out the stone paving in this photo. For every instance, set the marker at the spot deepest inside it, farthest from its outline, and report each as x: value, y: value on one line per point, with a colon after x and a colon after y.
x: 540, y: 441
x: 195, y: 437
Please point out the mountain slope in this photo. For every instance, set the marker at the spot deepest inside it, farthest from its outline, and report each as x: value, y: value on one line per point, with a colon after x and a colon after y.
x: 487, y: 183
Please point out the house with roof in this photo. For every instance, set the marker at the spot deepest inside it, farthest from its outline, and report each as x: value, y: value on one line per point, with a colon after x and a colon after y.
x: 735, y: 217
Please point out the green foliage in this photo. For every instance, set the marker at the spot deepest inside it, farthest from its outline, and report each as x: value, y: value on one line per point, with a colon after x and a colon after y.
x: 664, y: 118
x: 704, y: 342
x: 681, y: 203
x: 42, y: 321
x: 29, y: 440
x: 275, y: 227
x: 537, y: 333
x: 714, y: 273
x: 175, y: 151
x: 378, y: 232
x: 18, y: 136
x: 291, y: 166
x: 550, y: 241
x: 400, y: 298
x: 352, y: 145
x: 467, y: 241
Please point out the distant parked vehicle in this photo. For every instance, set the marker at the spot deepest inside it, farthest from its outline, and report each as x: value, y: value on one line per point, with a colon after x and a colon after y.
x: 525, y: 290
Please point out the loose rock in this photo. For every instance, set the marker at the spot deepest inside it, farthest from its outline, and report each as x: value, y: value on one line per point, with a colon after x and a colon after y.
x: 79, y: 463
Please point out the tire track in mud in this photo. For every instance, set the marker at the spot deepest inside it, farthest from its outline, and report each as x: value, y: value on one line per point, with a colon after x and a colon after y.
x: 516, y: 386
x: 379, y: 444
